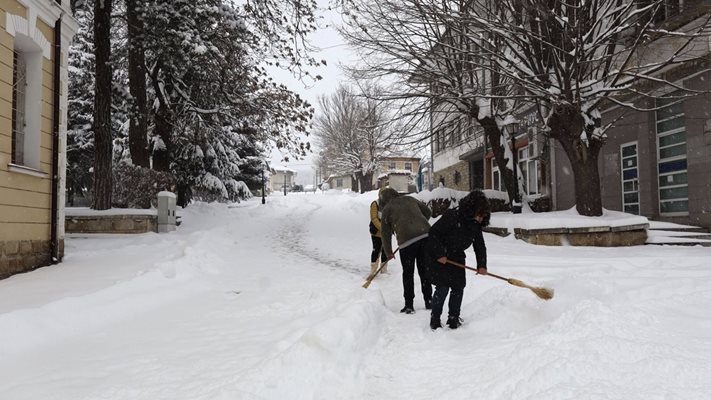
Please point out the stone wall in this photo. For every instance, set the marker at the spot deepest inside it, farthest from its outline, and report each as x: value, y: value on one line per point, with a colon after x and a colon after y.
x: 603, y: 236
x: 25, y: 255
x: 111, y: 224
x: 455, y: 176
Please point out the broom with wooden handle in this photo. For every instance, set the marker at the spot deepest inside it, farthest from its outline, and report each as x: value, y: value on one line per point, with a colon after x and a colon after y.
x: 543, y: 293
x: 372, y: 276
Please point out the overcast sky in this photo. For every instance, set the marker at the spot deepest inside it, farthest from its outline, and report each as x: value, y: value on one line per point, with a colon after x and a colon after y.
x: 333, y: 49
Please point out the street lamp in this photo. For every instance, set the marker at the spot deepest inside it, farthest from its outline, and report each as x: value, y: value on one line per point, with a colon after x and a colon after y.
x: 263, y: 201
x: 512, y: 129
x: 264, y: 189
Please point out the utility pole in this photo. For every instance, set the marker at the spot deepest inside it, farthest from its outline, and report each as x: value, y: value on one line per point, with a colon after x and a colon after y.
x: 284, y: 183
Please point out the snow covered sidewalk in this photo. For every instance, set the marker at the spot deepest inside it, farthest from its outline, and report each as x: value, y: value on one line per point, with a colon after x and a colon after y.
x: 264, y: 302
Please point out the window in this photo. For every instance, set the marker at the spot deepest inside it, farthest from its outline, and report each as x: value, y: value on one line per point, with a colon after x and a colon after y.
x: 29, y: 49
x: 455, y: 133
x: 630, y: 178
x: 408, y: 166
x: 495, y: 175
x: 671, y: 156
x: 529, y: 169
x: 19, y: 90
x: 666, y: 10
x: 339, y: 182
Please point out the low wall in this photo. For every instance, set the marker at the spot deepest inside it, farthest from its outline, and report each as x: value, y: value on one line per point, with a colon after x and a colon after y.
x: 601, y: 236
x: 111, y: 223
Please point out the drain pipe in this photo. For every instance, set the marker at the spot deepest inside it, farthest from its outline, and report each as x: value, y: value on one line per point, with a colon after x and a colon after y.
x: 54, y: 224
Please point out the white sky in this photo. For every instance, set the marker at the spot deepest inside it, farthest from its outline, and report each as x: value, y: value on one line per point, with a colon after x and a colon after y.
x: 265, y: 302
x: 335, y: 52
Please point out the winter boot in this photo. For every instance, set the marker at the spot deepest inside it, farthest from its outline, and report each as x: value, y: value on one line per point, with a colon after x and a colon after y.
x: 373, y: 267
x: 435, y: 323
x: 384, y: 268
x: 408, y: 309
x: 453, y: 322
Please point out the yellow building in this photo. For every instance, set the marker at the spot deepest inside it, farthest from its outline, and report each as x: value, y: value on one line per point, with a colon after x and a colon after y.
x: 34, y: 42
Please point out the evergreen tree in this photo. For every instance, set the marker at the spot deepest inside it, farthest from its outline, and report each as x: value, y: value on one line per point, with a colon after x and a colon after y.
x: 80, y: 137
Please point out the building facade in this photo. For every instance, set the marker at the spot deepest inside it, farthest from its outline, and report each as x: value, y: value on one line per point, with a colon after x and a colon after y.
x: 281, y: 177
x: 398, y: 172
x: 654, y: 163
x: 340, y: 182
x: 34, y: 42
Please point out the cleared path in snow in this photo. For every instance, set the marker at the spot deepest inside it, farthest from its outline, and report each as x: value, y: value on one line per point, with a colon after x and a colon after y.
x: 264, y: 302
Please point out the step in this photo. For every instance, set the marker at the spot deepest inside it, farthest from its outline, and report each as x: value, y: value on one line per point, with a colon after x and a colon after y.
x: 678, y: 238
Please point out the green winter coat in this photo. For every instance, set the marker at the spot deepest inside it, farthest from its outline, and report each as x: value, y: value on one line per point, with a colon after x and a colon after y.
x: 405, y: 216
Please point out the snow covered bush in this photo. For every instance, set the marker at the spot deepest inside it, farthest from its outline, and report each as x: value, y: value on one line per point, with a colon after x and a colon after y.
x: 136, y: 187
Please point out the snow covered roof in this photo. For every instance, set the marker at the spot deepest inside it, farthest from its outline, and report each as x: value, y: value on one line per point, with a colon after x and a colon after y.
x: 281, y: 168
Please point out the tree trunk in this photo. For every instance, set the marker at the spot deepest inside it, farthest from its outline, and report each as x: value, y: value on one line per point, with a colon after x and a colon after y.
x: 365, y: 182
x: 163, y: 129
x: 138, y: 127
x: 163, y: 124
x: 102, y: 106
x: 566, y: 125
x: 493, y: 134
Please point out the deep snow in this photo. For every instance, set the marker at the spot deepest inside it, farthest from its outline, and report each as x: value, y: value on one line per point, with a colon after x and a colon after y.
x: 265, y: 302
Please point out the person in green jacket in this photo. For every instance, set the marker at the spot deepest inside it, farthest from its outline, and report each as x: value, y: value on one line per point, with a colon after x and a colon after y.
x: 377, y: 256
x: 408, y: 218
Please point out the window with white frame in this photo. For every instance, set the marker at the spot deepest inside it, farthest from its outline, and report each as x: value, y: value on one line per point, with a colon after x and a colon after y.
x: 391, y: 165
x: 408, y: 166
x: 671, y: 156
x: 29, y: 48
x: 495, y: 175
x: 528, y: 164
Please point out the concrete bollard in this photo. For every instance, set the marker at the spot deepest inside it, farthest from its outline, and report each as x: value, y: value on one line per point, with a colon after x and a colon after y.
x: 166, y: 212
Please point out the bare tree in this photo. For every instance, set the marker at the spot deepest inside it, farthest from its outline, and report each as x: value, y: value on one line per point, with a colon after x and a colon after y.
x: 488, y: 59
x: 354, y: 131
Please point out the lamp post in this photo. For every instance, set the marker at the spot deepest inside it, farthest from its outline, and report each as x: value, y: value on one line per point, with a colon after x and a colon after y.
x: 512, y: 129
x: 263, y: 188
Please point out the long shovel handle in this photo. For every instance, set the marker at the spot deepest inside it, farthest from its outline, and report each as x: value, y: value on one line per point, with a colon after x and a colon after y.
x: 370, y: 278
x: 474, y: 269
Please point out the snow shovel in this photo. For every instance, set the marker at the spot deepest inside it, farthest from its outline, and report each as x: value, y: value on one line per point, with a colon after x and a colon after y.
x: 543, y: 293
x: 372, y: 276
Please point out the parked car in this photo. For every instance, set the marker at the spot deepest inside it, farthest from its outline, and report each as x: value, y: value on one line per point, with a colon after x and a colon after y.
x: 309, y: 188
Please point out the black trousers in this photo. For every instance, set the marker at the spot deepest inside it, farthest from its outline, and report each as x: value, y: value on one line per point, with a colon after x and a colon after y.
x: 409, y: 256
x: 455, y: 300
x: 377, y: 249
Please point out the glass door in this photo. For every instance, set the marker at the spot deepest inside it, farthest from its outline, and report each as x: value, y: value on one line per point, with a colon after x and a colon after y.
x: 630, y: 178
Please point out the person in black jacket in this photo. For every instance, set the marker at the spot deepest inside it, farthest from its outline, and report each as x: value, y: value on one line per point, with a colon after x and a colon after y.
x: 453, y: 233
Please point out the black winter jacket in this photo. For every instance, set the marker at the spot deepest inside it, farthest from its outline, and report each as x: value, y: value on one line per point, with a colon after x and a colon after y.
x: 449, y: 237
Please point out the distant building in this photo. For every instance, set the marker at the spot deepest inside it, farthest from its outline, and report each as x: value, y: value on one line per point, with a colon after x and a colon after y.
x: 398, y: 172
x: 340, y: 182
x: 280, y: 177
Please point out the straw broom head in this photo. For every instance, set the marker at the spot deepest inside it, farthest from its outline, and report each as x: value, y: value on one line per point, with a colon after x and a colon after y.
x: 543, y: 293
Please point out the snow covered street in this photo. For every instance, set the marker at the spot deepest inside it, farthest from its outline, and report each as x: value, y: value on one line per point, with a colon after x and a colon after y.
x: 265, y: 302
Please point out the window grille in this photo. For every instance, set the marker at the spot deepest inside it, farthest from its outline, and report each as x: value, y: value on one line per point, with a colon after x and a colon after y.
x: 19, y: 91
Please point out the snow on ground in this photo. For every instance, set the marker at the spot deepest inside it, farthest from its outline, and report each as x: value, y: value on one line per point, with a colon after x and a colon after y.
x: 265, y: 302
